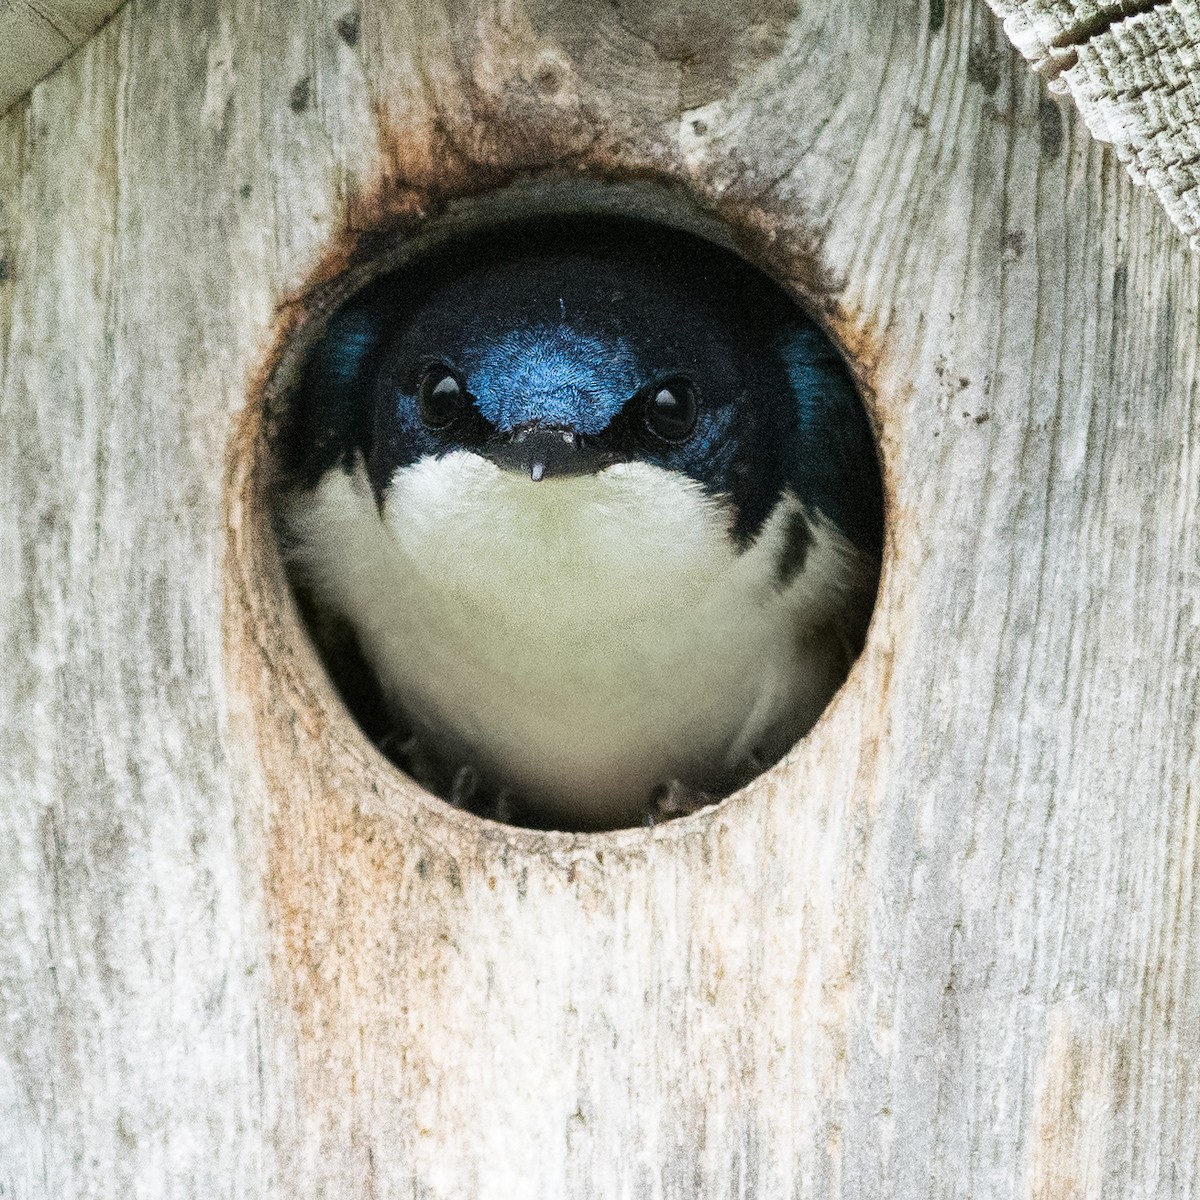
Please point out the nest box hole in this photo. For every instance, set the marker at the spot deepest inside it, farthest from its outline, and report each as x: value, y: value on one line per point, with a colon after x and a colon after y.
x: 583, y: 513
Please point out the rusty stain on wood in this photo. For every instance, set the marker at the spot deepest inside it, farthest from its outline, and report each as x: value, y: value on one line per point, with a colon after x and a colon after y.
x: 332, y: 849
x: 1073, y: 1107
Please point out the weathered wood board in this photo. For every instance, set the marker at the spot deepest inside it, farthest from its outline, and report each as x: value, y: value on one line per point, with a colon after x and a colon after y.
x: 1133, y: 67
x: 947, y: 948
x: 36, y: 35
x: 1130, y: 65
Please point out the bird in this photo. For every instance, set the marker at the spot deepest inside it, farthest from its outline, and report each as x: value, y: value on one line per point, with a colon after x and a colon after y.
x: 595, y: 507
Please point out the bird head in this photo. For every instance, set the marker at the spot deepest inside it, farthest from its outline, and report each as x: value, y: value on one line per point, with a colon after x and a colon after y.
x: 563, y: 347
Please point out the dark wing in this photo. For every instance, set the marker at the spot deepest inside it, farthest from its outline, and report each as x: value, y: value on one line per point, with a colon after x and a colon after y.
x: 331, y: 415
x: 831, y: 463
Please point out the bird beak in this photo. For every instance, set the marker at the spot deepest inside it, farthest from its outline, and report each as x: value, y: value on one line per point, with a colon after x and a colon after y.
x: 542, y: 450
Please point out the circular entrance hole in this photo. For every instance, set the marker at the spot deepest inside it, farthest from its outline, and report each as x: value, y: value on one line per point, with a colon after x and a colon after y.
x: 583, y: 514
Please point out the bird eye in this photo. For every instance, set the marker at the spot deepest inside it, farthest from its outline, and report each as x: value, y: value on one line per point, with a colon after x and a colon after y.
x: 671, y: 410
x: 439, y: 396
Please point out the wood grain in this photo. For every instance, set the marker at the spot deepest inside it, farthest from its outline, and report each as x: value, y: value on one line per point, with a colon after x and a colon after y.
x: 947, y: 948
x: 36, y: 35
x: 1133, y: 68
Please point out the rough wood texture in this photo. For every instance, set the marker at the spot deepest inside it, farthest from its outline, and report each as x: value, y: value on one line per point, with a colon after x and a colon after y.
x: 948, y: 948
x: 1133, y: 67
x: 36, y: 36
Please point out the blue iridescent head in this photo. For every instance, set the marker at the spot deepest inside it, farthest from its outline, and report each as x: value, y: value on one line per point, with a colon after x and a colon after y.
x: 564, y: 346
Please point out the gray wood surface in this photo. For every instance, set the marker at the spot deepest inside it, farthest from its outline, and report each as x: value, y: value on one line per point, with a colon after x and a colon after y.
x: 948, y: 948
x: 1130, y: 65
x: 1133, y: 67
x: 36, y: 35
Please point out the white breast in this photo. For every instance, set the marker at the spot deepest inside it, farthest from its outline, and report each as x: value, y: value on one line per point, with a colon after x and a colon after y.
x: 583, y: 639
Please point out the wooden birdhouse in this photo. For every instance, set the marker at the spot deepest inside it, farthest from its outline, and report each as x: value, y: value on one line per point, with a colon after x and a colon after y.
x: 946, y: 947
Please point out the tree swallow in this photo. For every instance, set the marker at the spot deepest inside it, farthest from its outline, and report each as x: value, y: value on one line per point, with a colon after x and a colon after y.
x: 599, y: 507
